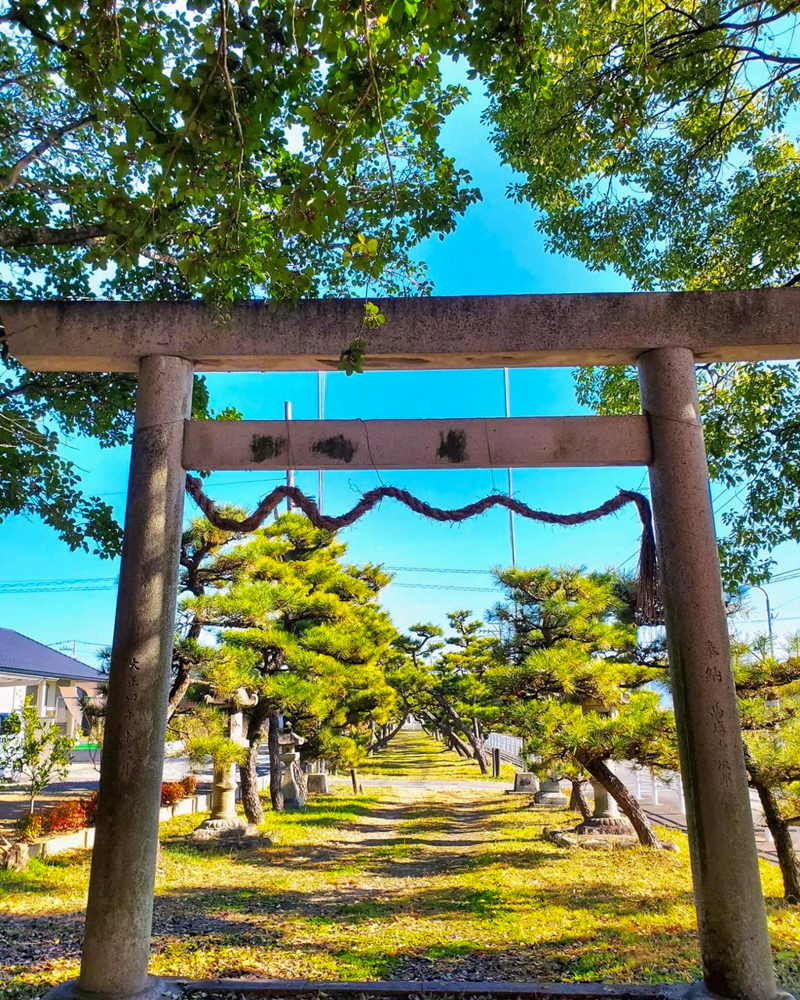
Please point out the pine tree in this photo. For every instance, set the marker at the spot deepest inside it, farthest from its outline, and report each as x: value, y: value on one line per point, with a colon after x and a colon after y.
x: 768, y: 688
x: 302, y: 631
x: 441, y: 681
x: 570, y: 679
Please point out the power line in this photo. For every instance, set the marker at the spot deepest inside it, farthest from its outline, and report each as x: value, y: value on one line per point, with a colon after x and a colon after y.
x: 789, y: 574
x: 110, y: 582
x: 53, y: 586
x: 436, y: 569
x: 436, y: 586
x: 79, y: 642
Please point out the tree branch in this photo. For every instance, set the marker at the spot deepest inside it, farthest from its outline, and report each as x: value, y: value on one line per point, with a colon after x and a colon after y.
x: 12, y: 177
x: 159, y: 258
x: 43, y: 236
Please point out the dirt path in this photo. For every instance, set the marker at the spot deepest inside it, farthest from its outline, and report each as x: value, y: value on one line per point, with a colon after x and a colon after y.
x: 401, y: 883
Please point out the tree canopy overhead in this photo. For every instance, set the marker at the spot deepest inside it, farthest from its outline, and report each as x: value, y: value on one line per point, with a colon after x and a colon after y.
x: 217, y: 150
x: 660, y: 145
x: 664, y: 145
x: 284, y: 148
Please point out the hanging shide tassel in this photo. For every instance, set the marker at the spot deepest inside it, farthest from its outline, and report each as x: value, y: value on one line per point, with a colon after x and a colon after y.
x: 648, y: 610
x: 649, y: 605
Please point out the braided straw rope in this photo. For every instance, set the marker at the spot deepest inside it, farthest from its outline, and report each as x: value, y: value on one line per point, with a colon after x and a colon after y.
x: 649, y: 611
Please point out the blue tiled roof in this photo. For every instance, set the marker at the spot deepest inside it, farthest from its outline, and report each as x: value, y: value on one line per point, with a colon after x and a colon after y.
x: 21, y: 655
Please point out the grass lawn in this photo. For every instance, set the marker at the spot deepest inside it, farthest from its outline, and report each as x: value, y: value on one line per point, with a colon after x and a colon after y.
x: 399, y: 883
x: 415, y: 755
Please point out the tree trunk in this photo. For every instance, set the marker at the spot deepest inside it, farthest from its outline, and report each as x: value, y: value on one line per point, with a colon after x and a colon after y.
x: 275, y: 790
x: 627, y: 803
x: 388, y: 734
x: 372, y: 740
x: 578, y: 801
x: 354, y: 780
x: 248, y: 774
x: 460, y: 746
x: 180, y: 684
x: 787, y: 856
x: 478, y: 748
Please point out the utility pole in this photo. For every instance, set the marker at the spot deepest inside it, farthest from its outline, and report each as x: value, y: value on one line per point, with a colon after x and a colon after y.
x: 511, y: 532
x: 769, y: 619
x: 321, y: 416
x: 287, y: 415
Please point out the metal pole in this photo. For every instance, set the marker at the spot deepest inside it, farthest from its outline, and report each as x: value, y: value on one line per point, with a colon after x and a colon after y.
x: 321, y: 415
x: 769, y: 619
x: 511, y: 531
x: 120, y: 908
x: 731, y: 920
x: 287, y: 416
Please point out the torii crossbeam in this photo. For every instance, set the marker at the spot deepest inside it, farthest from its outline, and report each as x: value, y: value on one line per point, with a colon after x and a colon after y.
x: 663, y: 334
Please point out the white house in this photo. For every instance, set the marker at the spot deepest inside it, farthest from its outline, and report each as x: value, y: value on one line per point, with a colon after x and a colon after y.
x: 53, y: 680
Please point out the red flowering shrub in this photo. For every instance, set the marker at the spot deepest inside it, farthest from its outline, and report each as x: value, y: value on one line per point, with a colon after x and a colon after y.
x: 90, y: 808
x: 28, y: 827
x: 189, y: 784
x: 64, y: 817
x: 172, y: 792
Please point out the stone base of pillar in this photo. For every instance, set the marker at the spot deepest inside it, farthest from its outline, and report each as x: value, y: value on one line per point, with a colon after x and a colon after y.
x: 157, y: 988
x: 605, y: 827
x: 551, y: 800
x: 550, y: 795
x: 210, y: 829
x: 699, y: 991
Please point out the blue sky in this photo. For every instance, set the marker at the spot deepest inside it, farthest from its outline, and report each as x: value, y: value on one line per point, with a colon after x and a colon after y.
x: 495, y: 250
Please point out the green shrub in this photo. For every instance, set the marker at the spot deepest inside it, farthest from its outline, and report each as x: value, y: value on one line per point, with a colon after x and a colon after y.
x: 28, y: 827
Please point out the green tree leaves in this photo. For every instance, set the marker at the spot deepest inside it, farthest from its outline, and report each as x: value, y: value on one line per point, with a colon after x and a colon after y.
x: 664, y: 147
x: 36, y: 751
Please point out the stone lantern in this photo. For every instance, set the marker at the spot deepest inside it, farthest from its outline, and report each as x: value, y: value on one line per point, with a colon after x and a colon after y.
x: 292, y: 783
x: 224, y: 818
x: 606, y: 818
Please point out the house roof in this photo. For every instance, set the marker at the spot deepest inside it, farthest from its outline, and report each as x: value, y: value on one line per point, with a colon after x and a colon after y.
x: 26, y: 657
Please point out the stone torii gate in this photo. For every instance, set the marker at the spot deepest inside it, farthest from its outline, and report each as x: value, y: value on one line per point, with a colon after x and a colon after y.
x: 663, y: 334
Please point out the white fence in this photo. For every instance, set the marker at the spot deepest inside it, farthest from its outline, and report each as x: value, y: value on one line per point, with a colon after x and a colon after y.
x: 510, y: 747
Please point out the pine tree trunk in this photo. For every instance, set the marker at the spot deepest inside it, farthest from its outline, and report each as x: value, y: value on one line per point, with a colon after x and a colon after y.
x: 354, y: 780
x: 478, y: 749
x: 387, y: 734
x: 787, y: 856
x: 248, y: 774
x: 275, y: 790
x: 627, y: 803
x: 372, y: 741
x: 180, y: 685
x: 452, y: 739
x: 578, y: 801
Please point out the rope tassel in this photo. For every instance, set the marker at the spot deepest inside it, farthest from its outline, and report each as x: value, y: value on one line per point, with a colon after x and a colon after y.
x: 649, y: 609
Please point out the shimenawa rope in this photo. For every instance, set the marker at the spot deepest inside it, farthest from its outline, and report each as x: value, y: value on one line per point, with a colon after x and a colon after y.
x: 648, y: 605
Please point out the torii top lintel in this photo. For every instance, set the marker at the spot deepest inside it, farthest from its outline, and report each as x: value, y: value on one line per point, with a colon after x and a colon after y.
x: 439, y: 332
